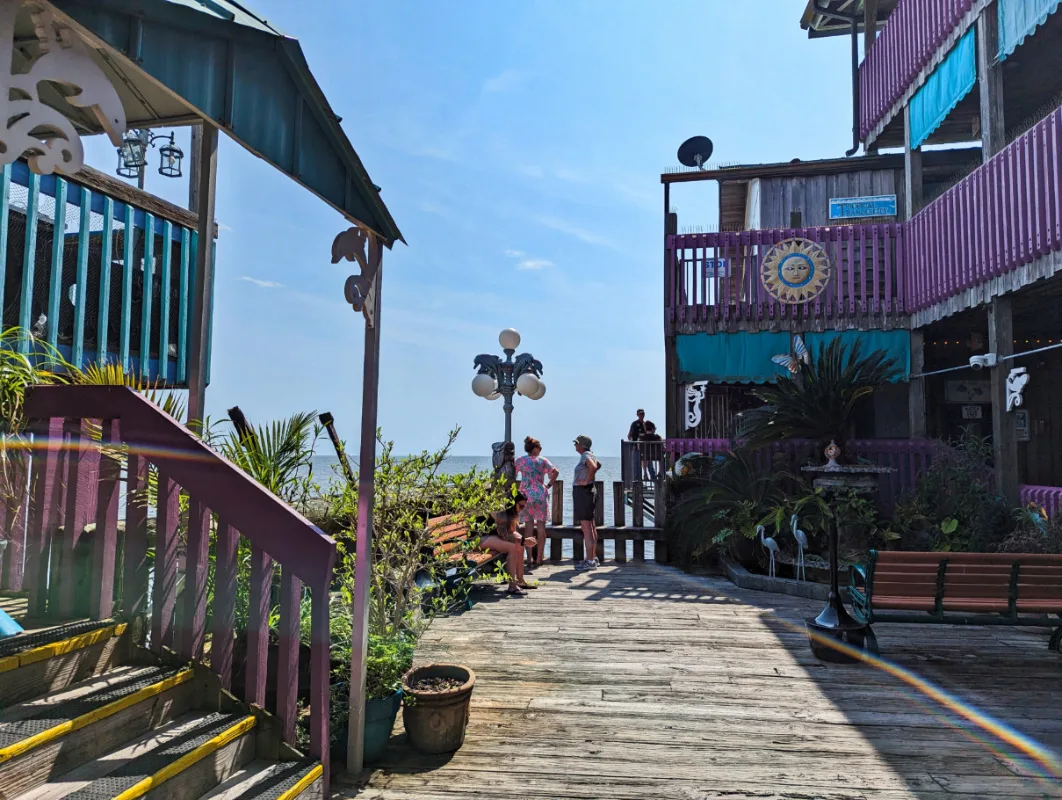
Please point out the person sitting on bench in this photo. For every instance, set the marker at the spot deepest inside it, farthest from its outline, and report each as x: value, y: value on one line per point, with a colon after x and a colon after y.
x: 507, y: 540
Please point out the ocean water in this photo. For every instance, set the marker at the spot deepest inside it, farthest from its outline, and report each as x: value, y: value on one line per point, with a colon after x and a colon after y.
x: 610, y: 471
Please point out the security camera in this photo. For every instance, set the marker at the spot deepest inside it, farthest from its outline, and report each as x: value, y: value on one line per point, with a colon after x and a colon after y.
x: 980, y: 362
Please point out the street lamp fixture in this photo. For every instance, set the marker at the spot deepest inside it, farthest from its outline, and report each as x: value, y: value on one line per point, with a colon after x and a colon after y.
x: 497, y: 378
x: 132, y: 155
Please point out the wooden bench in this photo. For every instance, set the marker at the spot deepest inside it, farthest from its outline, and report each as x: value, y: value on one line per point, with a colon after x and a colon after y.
x: 451, y: 543
x: 960, y: 589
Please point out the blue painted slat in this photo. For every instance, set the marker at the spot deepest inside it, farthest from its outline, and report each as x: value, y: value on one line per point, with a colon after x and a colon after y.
x: 164, y: 302
x: 145, y: 315
x: 5, y: 199
x: 127, y: 289
x: 81, y: 279
x: 55, y: 281
x: 29, y: 256
x: 187, y: 238
x: 104, y: 316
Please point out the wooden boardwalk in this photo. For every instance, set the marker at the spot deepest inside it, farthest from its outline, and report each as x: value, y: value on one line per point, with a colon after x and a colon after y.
x: 639, y: 681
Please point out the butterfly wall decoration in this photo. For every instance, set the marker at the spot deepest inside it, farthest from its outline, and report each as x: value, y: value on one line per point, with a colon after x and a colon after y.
x: 795, y: 360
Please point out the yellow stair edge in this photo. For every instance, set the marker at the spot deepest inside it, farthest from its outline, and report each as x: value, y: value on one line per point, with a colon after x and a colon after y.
x: 303, y: 784
x: 71, y: 725
x: 61, y: 647
x: 187, y: 760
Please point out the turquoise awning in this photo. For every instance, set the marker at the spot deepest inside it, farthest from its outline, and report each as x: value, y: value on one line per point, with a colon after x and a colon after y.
x: 730, y: 357
x: 1018, y: 19
x: 950, y: 82
x: 896, y: 343
x: 173, y: 62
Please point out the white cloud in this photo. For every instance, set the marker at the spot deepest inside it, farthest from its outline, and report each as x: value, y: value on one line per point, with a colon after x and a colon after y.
x: 581, y: 234
x: 534, y: 263
x: 263, y: 284
x: 515, y: 254
x: 505, y: 82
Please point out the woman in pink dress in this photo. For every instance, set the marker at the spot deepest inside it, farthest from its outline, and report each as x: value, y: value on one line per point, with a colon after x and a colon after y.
x: 536, y: 479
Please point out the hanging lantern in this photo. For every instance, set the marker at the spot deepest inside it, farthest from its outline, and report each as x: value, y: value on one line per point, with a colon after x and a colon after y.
x: 171, y: 154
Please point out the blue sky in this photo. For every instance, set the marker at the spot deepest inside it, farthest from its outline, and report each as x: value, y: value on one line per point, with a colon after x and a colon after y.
x: 519, y: 145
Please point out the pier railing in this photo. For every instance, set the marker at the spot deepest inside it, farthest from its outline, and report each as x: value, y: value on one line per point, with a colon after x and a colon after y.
x: 645, y: 501
x: 190, y: 518
x: 714, y: 278
x: 915, y: 32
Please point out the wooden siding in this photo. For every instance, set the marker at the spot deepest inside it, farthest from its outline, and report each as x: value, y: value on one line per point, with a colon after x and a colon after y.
x: 811, y: 195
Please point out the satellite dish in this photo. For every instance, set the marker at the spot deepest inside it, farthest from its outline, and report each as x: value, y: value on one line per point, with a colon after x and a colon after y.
x: 695, y: 152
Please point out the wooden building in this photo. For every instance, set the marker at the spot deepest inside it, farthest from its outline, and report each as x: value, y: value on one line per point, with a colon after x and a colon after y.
x: 960, y: 261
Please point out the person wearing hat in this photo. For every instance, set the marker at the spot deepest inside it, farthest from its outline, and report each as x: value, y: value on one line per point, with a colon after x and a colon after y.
x: 584, y: 499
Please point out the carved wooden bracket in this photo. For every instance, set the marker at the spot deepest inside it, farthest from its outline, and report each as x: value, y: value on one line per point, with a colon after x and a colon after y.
x: 33, y: 129
x: 363, y: 246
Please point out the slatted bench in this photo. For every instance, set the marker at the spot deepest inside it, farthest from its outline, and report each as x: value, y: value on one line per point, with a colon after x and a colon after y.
x: 960, y: 589
x: 450, y: 542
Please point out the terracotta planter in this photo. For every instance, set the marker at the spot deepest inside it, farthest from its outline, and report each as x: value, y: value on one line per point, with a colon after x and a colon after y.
x: 435, y: 721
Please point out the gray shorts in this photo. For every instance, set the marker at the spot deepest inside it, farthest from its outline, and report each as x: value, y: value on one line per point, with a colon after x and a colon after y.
x: 584, y: 501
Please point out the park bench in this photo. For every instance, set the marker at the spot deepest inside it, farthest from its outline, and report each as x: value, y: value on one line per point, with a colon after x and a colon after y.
x: 960, y: 589
x: 451, y: 541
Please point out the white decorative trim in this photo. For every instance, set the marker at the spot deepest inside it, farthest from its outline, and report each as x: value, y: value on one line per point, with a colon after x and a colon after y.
x: 1016, y: 383
x: 64, y: 60
x: 694, y: 395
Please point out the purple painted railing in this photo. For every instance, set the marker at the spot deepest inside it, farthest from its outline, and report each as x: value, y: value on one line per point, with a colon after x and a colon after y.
x: 71, y: 484
x: 915, y: 31
x: 714, y: 278
x: 1002, y: 216
x: 908, y: 457
x: 1050, y: 497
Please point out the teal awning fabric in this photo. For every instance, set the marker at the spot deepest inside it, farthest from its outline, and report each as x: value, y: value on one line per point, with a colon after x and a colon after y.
x: 1018, y: 19
x: 730, y: 357
x: 896, y: 343
x: 950, y: 82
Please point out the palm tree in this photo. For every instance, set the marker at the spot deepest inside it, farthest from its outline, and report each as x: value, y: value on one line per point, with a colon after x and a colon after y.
x: 820, y: 401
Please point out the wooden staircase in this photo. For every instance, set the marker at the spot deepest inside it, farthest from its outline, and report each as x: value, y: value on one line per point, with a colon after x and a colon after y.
x: 87, y: 714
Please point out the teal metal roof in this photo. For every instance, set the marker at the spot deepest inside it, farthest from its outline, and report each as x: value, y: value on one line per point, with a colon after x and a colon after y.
x: 175, y: 61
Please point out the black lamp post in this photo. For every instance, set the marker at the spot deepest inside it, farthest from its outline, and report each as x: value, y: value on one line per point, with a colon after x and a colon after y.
x: 497, y: 378
x: 132, y: 155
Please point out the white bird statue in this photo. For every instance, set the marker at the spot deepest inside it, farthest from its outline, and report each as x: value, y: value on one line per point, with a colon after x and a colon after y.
x: 802, y: 544
x: 772, y: 548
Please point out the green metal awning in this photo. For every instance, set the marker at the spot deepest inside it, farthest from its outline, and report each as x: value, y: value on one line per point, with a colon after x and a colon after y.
x: 178, y: 61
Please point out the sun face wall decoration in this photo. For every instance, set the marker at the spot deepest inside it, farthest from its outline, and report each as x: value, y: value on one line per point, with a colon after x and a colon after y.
x: 795, y: 271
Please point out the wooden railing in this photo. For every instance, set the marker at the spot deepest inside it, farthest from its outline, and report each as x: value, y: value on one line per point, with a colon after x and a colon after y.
x: 1002, y: 216
x: 908, y: 457
x: 644, y: 499
x: 206, y: 513
x: 915, y: 31
x: 714, y: 278
x: 1049, y: 497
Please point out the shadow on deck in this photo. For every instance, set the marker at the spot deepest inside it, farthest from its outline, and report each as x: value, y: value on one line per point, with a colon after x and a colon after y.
x: 640, y: 681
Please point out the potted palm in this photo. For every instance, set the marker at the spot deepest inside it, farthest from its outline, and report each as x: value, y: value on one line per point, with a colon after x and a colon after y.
x: 820, y: 401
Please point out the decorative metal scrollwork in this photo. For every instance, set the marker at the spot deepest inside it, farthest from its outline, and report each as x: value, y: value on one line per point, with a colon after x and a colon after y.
x: 795, y: 271
x: 1016, y: 383
x: 695, y: 393
x: 34, y: 129
x: 363, y: 246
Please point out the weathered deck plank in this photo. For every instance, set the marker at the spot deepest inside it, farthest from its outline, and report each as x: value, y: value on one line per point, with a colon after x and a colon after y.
x: 638, y: 681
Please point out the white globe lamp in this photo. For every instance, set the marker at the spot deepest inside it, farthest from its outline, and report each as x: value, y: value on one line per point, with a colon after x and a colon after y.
x: 509, y: 339
x: 540, y: 393
x: 527, y: 384
x: 484, y: 385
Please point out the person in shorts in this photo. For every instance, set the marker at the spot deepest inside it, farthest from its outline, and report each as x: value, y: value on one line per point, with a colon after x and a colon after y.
x: 584, y: 499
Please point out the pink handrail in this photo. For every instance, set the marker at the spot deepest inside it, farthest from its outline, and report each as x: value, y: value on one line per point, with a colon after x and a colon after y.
x: 72, y: 483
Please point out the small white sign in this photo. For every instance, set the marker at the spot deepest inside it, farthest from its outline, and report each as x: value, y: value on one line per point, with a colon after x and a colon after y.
x: 971, y: 412
x: 1021, y: 425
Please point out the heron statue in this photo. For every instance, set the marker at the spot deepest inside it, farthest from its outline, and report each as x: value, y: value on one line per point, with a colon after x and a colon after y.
x: 771, y: 545
x: 802, y: 545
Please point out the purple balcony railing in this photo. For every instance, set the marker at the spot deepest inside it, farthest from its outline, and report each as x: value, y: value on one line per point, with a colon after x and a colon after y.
x: 714, y: 277
x: 914, y: 33
x: 1049, y: 497
x: 1002, y: 216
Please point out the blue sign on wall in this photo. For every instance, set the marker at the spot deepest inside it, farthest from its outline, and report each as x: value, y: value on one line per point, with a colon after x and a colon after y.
x: 883, y: 205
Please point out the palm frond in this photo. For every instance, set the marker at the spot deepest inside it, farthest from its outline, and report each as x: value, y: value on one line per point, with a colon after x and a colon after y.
x: 115, y: 374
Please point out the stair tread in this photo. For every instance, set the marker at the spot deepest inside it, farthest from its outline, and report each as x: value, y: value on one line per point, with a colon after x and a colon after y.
x: 38, y: 638
x: 85, y: 774
x: 38, y: 716
x: 263, y: 780
x: 28, y: 708
x: 163, y: 754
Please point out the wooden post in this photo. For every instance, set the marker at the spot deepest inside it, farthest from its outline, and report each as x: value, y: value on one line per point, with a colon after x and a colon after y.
x: 659, y: 520
x: 638, y: 512
x: 870, y: 25
x: 916, y: 409
x: 1004, y: 433
x: 990, y: 83
x: 619, y: 505
x: 557, y: 519
x: 912, y: 168
x: 599, y: 517
x: 203, y: 300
